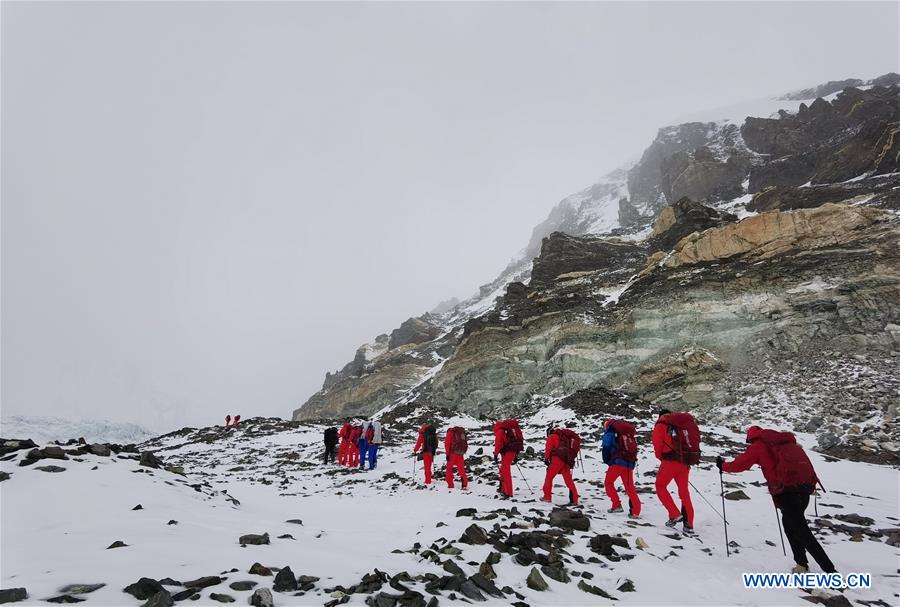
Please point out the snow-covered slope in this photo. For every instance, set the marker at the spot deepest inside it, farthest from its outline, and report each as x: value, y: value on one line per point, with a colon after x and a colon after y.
x: 358, y: 523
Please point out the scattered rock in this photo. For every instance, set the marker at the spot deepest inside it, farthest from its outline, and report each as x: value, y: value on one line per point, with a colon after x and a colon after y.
x: 570, y: 519
x: 736, y: 495
x: 204, y: 582
x: 12, y: 595
x: 257, y: 569
x: 51, y: 469
x: 138, y: 507
x: 64, y: 598
x: 80, y: 588
x: 485, y: 584
x: 556, y: 572
x: 285, y: 581
x: 838, y: 600
x: 262, y: 597
x: 626, y: 586
x: 144, y: 588
x: 4, y: 476
x: 294, y: 521
x: 184, y: 594
x: 591, y: 589
x: 286, y: 536
x: 167, y: 581
x: 856, y: 519
x: 172, y: 522
x: 252, y: 538
x: 222, y: 598
x: 536, y: 581
x: 117, y: 544
x: 245, y: 585
x: 150, y: 460
x: 160, y: 599
x: 474, y: 535
x: 487, y: 570
x: 641, y: 544
x: 604, y: 544
x: 466, y: 512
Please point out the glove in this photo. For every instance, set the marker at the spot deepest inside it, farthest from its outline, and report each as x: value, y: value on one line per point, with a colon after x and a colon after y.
x: 495, y: 459
x: 719, y: 461
x: 547, y: 462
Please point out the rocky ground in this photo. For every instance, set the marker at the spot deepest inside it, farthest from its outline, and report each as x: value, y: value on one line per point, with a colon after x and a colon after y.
x: 252, y: 516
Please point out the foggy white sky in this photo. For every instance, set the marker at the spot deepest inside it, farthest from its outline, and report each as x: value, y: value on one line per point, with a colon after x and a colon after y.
x: 206, y: 206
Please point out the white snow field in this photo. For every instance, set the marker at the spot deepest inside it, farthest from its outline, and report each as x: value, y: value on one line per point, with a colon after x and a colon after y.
x: 56, y: 526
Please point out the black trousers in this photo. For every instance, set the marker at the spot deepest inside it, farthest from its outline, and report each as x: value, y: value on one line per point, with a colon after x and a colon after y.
x: 793, y: 506
x: 329, y: 453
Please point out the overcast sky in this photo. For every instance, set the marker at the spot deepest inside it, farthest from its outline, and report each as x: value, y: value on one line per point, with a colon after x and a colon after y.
x: 205, y: 206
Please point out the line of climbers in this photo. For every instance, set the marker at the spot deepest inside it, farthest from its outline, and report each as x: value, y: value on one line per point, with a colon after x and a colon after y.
x: 357, y: 442
x: 232, y: 424
x: 676, y: 439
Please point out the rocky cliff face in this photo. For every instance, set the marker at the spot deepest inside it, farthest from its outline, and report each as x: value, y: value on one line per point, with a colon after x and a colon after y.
x: 716, y: 308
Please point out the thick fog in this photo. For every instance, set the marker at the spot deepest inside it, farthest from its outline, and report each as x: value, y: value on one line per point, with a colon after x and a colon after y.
x: 205, y: 206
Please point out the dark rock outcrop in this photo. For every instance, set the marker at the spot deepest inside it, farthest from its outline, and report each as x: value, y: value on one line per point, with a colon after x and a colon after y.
x: 682, y: 218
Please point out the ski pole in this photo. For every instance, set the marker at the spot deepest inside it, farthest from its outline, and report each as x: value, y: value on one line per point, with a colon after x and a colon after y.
x: 779, y: 529
x: 722, y: 486
x: 697, y: 491
x: 414, y: 466
x: 523, y: 477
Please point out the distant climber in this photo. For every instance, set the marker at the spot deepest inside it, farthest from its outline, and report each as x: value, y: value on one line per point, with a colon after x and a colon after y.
x: 676, y: 444
x: 344, y: 448
x: 427, y: 446
x: 456, y: 443
x: 373, y: 437
x: 227, y: 421
x: 619, y: 451
x: 331, y: 439
x: 237, y: 418
x: 560, y: 454
x: 791, y: 479
x: 508, y: 442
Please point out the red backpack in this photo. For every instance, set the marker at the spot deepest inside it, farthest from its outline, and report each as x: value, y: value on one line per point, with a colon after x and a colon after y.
x: 626, y: 442
x: 569, y: 444
x: 515, y: 442
x: 683, y: 438
x: 459, y: 444
x: 355, y: 431
x: 793, y: 470
x: 370, y: 434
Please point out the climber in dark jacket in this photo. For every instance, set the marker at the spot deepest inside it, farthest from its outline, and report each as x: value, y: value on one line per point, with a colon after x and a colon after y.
x: 790, y: 484
x: 331, y: 440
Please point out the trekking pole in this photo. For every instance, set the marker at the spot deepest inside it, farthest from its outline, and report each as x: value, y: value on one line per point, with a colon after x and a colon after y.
x: 722, y: 486
x: 523, y: 477
x: 779, y: 529
x: 582, y: 462
x: 697, y: 491
x: 414, y: 466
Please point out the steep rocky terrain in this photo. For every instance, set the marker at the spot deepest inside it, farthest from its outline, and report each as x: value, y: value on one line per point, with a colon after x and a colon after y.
x: 741, y: 268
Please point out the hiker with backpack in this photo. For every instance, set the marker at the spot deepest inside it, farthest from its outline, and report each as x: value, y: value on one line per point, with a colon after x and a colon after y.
x: 237, y: 419
x: 353, y: 449
x: 363, y: 444
x: 374, y: 441
x: 331, y: 439
x: 509, y: 442
x: 344, y: 448
x: 676, y: 443
x: 426, y: 448
x: 791, y: 479
x: 456, y: 443
x: 560, y: 454
x: 228, y: 421
x: 619, y: 451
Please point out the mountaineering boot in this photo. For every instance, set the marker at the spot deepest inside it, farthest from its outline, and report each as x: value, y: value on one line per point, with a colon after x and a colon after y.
x: 615, y: 509
x: 799, y: 569
x: 674, y: 521
x: 687, y: 530
x: 634, y: 516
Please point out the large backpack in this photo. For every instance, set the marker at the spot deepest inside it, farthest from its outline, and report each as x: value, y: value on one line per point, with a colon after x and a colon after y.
x: 626, y: 443
x: 459, y: 444
x: 569, y: 444
x: 683, y: 438
x: 370, y: 434
x: 331, y: 435
x: 793, y: 470
x: 355, y: 431
x: 430, y: 439
x: 515, y: 442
